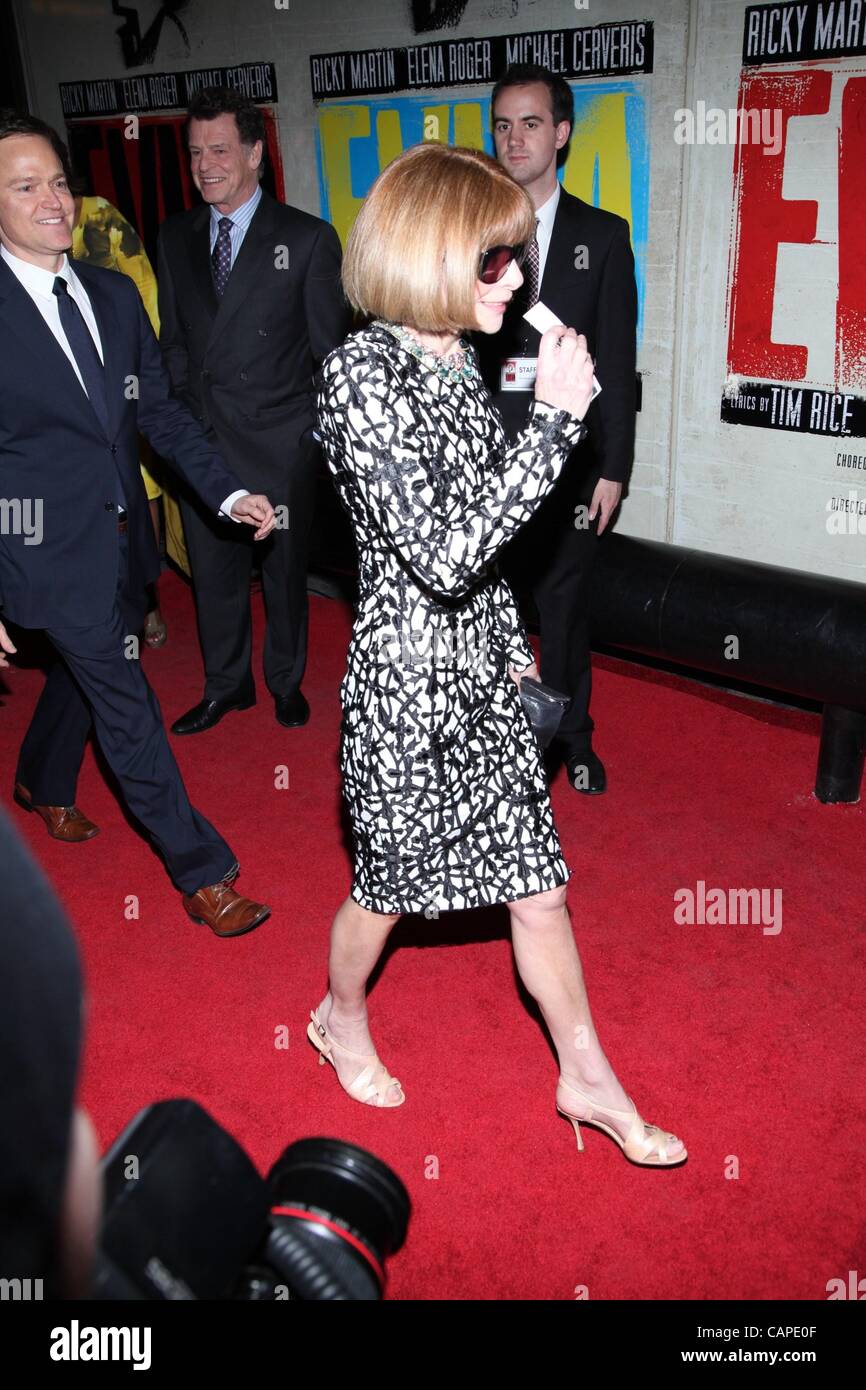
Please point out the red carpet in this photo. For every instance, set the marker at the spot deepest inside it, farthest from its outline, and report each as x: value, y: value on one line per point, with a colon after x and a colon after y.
x: 746, y: 1045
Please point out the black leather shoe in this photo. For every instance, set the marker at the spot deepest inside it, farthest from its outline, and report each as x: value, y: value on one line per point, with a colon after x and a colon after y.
x: 586, y: 772
x: 209, y: 712
x: 292, y: 710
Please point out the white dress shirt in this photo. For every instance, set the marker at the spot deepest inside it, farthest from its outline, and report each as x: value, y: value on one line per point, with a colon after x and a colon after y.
x: 39, y: 284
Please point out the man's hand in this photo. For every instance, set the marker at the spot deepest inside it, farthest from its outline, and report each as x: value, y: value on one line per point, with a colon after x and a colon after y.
x: 606, y: 498
x: 6, y: 645
x: 517, y: 675
x: 257, y: 511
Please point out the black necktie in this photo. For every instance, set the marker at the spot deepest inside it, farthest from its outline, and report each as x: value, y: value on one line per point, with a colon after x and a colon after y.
x: 532, y: 265
x: 221, y: 255
x: 85, y: 354
x: 83, y: 350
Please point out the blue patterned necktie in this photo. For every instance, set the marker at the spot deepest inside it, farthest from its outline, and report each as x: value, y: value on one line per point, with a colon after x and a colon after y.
x: 221, y: 256
x: 531, y: 268
x: 83, y: 350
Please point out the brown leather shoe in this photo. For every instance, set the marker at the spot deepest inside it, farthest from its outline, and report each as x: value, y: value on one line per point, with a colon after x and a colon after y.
x: 64, y: 822
x: 223, y: 910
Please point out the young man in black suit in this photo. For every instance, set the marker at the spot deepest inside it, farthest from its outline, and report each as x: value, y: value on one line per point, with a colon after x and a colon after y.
x: 80, y: 375
x: 583, y: 270
x: 250, y: 301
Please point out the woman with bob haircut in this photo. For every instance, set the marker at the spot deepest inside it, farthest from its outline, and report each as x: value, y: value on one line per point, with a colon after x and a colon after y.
x: 442, y: 773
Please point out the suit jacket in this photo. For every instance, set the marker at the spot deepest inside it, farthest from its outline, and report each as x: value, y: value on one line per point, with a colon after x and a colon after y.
x: 54, y: 451
x: 600, y: 301
x: 245, y: 364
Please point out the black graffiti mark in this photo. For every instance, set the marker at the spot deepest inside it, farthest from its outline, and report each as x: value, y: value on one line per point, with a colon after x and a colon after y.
x: 428, y: 15
x: 137, y: 50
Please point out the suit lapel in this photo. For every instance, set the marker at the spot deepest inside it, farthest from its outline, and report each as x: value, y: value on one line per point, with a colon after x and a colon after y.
x: 259, y: 234
x: 198, y: 246
x: 559, y: 266
x: 109, y: 330
x: 20, y: 315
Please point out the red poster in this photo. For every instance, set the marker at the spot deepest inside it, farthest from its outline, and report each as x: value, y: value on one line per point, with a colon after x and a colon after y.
x: 796, y: 304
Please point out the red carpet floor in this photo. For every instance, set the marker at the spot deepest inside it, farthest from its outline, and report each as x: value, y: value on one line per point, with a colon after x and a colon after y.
x: 747, y: 1045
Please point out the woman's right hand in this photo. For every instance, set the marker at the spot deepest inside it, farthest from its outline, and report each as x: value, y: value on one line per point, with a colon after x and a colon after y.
x: 564, y: 376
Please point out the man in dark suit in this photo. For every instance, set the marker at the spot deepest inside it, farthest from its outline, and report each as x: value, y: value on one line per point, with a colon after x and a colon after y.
x: 582, y: 268
x: 80, y: 374
x: 249, y: 301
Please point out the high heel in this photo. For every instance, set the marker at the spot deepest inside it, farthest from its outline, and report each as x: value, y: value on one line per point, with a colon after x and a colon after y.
x: 370, y: 1086
x: 637, y: 1146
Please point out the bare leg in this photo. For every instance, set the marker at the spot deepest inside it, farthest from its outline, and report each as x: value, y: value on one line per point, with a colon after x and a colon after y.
x: 357, y: 940
x: 549, y: 965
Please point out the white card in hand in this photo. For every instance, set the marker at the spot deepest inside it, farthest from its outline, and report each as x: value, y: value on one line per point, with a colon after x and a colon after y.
x: 541, y: 318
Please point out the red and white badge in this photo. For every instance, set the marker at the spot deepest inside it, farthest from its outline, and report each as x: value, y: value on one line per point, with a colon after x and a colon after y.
x: 518, y: 374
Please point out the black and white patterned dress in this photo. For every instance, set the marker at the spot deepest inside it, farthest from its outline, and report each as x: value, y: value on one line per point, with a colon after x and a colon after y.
x: 442, y: 774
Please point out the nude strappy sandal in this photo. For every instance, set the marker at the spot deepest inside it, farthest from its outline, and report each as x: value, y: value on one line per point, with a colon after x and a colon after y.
x: 638, y: 1146
x: 370, y: 1086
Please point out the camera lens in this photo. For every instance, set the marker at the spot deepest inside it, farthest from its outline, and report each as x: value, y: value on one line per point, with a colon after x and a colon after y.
x: 337, y: 1212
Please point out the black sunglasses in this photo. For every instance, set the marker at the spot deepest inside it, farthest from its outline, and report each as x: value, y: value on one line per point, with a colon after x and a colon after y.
x: 496, y: 261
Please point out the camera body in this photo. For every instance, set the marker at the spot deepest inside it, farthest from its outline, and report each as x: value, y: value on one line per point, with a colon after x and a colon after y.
x: 188, y: 1216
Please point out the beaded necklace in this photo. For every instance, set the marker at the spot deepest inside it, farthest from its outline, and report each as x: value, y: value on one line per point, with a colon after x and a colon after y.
x: 457, y: 366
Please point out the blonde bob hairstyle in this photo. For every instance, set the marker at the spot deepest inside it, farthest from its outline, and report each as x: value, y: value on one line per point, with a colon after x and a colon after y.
x: 413, y: 254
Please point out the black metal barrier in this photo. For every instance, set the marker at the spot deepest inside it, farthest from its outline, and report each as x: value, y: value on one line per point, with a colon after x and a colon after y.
x: 804, y: 634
